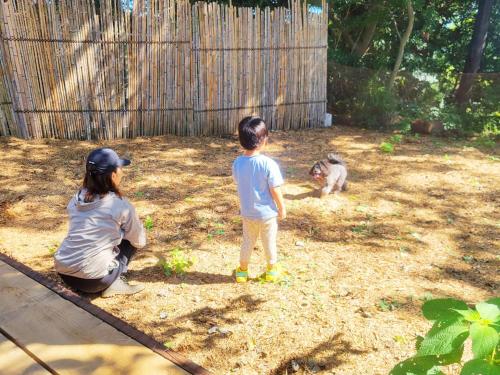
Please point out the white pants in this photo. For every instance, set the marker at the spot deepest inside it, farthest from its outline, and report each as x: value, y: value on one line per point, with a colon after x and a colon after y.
x: 267, y: 230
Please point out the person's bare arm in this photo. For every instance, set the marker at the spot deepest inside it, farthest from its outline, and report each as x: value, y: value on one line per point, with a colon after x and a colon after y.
x: 280, y: 203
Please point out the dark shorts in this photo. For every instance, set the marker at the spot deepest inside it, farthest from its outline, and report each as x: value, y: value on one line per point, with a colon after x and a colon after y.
x: 126, y: 254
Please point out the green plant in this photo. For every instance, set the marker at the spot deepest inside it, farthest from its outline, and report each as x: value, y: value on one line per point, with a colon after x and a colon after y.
x: 52, y: 248
x: 362, y: 208
x: 427, y: 296
x: 177, y: 262
x: 396, y: 138
x: 387, y: 147
x: 484, y: 142
x: 362, y: 228
x: 148, y: 223
x: 375, y: 105
x: 388, y: 305
x: 468, y: 259
x: 404, y: 249
x: 443, y: 345
x: 216, y: 232
x: 404, y: 125
x: 168, y: 344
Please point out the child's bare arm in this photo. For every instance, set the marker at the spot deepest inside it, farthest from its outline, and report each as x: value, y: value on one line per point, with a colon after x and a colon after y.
x: 278, y: 198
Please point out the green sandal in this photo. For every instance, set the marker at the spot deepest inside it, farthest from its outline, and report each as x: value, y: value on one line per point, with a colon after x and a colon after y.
x: 274, y: 274
x: 241, y: 276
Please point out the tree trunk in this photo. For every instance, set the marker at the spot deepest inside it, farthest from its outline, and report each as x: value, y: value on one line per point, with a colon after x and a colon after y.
x: 366, y: 38
x: 402, y: 44
x: 475, y: 53
x: 362, y: 44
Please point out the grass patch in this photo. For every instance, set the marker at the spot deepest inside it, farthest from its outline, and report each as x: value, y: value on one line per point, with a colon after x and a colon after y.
x: 385, y: 304
x: 177, y: 262
x: 148, y: 223
x: 387, y: 147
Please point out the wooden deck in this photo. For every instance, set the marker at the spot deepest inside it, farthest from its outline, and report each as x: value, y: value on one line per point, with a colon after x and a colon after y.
x: 41, y: 332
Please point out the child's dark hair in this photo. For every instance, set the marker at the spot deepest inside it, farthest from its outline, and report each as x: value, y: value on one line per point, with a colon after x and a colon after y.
x: 252, y: 131
x: 97, y: 183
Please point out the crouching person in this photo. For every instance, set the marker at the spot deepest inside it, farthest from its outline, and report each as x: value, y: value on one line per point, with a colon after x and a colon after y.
x: 104, y: 231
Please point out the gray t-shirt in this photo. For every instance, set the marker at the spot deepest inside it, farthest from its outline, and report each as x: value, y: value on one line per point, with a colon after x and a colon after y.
x: 95, y: 230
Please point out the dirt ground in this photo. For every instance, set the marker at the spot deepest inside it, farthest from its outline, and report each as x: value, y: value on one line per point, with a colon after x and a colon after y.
x: 422, y: 222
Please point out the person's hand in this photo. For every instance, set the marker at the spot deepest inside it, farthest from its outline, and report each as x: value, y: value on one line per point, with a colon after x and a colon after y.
x: 282, y: 214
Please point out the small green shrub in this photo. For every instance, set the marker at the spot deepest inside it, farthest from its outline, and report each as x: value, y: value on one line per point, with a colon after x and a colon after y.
x: 404, y: 125
x: 52, y: 249
x: 148, y: 223
x: 388, y: 305
x: 219, y: 231
x: 396, y: 138
x: 484, y: 142
x: 443, y: 345
x: 387, y: 147
x: 376, y: 106
x: 168, y: 345
x: 177, y: 262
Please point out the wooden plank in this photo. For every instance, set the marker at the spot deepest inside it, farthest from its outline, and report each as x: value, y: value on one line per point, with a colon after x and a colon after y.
x: 16, y: 362
x: 67, y: 338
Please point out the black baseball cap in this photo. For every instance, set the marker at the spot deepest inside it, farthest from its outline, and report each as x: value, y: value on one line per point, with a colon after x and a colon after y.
x: 104, y: 160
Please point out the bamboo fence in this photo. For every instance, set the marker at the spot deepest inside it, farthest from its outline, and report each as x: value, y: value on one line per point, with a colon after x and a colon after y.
x: 85, y: 69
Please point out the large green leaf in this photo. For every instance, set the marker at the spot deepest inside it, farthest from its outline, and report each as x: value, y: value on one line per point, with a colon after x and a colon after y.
x: 480, y: 367
x: 418, y: 341
x: 444, y: 337
x: 484, y: 340
x: 427, y: 365
x: 494, y: 301
x: 443, y: 308
x: 415, y: 366
x: 469, y: 315
x: 454, y: 357
x: 488, y: 311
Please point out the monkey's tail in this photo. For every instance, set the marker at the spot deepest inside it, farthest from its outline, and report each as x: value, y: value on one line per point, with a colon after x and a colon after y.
x: 335, y: 159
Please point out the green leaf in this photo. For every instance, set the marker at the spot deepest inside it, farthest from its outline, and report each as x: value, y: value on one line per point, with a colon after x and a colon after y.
x: 453, y: 357
x: 148, y: 223
x: 414, y: 366
x: 469, y: 315
x: 444, y: 337
x: 387, y: 147
x: 480, y: 367
x: 494, y: 301
x: 484, y: 340
x: 168, y: 344
x: 488, y: 311
x: 446, y: 359
x: 418, y: 342
x: 435, y: 371
x: 443, y: 308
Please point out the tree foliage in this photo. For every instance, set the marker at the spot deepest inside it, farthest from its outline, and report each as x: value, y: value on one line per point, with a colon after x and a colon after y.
x: 365, y: 46
x: 364, y: 40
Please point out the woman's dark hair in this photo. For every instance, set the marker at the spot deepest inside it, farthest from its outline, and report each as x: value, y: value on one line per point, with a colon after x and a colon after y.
x: 97, y: 183
x: 252, y: 131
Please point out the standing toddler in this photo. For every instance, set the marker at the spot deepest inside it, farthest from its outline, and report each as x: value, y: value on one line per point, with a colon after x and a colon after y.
x: 261, y: 202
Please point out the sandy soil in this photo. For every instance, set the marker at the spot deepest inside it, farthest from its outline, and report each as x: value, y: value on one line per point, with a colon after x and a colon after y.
x: 419, y: 223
